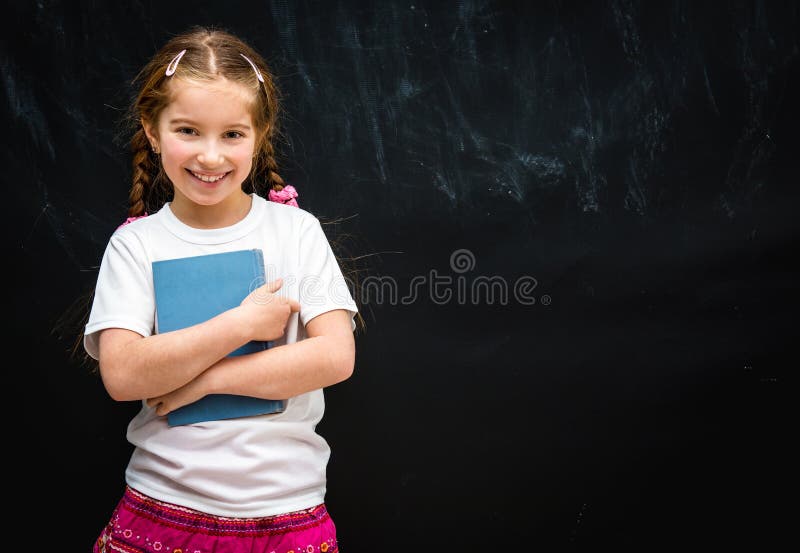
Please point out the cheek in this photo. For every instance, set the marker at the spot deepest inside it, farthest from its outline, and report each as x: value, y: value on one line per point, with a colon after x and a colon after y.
x: 178, y: 150
x: 246, y: 151
x: 243, y: 157
x: 245, y: 161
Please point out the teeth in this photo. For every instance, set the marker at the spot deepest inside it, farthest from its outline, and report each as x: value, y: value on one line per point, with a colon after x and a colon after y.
x: 207, y: 178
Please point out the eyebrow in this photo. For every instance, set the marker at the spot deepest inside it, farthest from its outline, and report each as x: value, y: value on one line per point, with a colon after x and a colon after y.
x: 181, y: 121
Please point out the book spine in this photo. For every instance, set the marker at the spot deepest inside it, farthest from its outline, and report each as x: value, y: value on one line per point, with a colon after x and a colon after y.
x: 258, y: 270
x: 260, y: 279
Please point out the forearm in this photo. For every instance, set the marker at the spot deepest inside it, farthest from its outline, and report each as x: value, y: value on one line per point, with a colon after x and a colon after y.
x: 160, y: 363
x: 285, y: 371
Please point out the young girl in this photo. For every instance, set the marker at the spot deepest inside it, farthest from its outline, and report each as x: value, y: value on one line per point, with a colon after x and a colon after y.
x: 207, y: 115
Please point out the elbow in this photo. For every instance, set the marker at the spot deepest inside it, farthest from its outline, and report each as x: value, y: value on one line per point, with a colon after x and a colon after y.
x: 115, y: 364
x: 346, y: 368
x: 114, y: 390
x: 345, y: 360
x: 114, y: 381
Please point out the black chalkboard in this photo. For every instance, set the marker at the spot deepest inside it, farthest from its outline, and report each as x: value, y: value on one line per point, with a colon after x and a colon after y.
x: 575, y: 227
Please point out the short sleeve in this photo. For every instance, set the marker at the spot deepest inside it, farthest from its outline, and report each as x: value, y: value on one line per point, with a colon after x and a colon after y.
x: 322, y: 286
x: 123, y: 296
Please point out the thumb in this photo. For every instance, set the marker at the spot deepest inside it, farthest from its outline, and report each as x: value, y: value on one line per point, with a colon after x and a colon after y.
x: 264, y: 292
x: 273, y: 286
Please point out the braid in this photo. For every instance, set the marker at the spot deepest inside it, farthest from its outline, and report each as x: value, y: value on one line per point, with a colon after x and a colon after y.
x: 143, y: 171
x: 150, y: 187
x: 275, y: 181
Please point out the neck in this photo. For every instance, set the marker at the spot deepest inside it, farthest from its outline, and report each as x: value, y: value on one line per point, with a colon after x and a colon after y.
x: 223, y: 214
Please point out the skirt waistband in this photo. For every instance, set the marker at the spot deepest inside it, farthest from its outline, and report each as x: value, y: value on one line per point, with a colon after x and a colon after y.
x: 179, y: 517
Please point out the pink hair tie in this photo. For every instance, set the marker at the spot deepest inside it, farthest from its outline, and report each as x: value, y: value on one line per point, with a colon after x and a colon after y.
x: 131, y: 219
x: 286, y: 196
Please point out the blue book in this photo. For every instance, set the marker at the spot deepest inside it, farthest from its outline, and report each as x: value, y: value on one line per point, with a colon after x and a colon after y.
x: 192, y: 290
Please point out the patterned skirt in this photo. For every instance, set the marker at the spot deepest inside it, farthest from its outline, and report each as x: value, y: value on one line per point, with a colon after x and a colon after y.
x: 141, y: 524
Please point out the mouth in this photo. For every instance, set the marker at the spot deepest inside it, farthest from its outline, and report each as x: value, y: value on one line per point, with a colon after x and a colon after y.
x: 209, y: 180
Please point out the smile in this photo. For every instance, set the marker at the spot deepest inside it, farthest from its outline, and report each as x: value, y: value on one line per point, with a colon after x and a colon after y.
x: 211, y: 179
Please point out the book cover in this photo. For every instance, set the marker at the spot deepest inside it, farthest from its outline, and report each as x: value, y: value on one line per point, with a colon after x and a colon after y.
x: 191, y: 290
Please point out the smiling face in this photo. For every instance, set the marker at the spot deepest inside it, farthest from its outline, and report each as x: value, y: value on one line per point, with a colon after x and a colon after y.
x: 206, y: 140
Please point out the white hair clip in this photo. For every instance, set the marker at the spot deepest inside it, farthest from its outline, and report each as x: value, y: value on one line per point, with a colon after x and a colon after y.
x: 253, y: 65
x: 173, y: 65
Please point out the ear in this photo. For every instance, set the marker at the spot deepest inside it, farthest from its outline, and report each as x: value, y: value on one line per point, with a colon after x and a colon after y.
x: 149, y: 131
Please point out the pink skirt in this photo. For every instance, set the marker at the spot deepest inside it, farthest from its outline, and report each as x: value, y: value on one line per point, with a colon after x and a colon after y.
x: 141, y: 524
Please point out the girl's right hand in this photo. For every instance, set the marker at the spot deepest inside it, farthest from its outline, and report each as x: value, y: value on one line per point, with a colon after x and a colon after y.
x: 266, y: 313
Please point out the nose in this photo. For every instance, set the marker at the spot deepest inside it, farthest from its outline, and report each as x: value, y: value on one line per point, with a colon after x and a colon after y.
x: 211, y: 155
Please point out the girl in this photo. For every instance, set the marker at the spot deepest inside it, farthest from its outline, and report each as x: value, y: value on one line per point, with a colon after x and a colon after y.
x: 206, y: 117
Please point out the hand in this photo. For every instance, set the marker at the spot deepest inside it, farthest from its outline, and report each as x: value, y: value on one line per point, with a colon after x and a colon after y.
x: 186, y: 394
x: 266, y: 313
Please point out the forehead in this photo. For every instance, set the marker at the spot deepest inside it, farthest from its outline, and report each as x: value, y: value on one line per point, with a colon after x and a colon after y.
x: 215, y: 103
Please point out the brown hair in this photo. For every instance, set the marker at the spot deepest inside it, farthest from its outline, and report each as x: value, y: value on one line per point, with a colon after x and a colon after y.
x: 210, y: 54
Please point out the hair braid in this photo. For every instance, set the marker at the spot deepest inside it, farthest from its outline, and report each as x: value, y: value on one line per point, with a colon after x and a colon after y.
x: 273, y: 178
x: 143, y: 170
x: 149, y: 189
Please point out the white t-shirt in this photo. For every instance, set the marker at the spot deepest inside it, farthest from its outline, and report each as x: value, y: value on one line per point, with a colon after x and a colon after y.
x: 247, y: 467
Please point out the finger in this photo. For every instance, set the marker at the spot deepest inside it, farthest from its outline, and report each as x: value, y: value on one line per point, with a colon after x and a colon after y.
x: 294, y: 305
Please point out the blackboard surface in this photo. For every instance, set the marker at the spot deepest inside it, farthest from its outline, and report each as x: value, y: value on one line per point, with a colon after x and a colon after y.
x: 580, y: 229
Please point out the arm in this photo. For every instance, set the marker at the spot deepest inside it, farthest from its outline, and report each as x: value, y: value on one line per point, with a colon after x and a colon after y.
x: 324, y: 358
x: 133, y: 367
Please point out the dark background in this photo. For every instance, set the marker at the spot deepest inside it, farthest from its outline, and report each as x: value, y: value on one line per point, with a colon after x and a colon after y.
x: 635, y: 159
